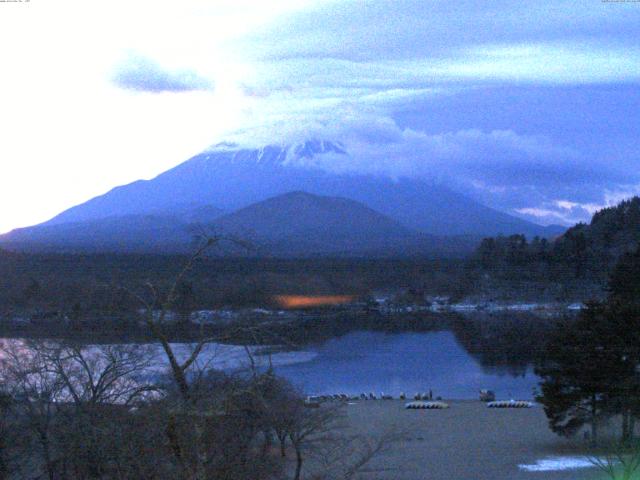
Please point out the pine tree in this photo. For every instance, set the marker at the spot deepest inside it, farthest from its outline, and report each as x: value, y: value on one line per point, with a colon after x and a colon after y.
x: 590, y: 369
x: 575, y: 368
x: 624, y: 281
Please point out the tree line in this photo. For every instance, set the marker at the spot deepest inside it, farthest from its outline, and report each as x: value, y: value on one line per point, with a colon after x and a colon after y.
x: 590, y: 366
x: 81, y: 286
x: 584, y: 250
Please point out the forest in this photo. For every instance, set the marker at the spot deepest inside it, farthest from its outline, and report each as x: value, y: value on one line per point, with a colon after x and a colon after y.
x: 572, y: 267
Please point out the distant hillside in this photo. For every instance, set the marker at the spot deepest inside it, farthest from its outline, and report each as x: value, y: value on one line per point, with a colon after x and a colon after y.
x: 612, y: 231
x: 230, y: 178
x: 151, y: 233
x: 299, y: 223
x: 340, y: 213
x: 585, y: 252
x: 293, y: 224
x: 127, y: 233
x: 302, y: 222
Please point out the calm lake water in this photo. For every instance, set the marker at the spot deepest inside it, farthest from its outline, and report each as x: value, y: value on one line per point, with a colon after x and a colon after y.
x: 368, y: 362
x: 402, y: 362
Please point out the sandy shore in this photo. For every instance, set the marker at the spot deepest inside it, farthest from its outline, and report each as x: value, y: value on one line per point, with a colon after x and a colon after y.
x: 467, y: 442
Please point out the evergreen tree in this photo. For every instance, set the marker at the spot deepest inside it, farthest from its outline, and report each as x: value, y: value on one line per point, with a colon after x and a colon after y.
x: 624, y: 282
x: 623, y: 318
x: 575, y: 368
x: 590, y: 369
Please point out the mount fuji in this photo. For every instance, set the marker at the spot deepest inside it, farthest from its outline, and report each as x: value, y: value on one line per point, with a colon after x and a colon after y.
x: 212, y: 187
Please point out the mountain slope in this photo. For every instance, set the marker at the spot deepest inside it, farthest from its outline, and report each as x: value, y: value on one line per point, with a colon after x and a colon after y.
x: 299, y: 222
x: 295, y: 224
x: 612, y: 232
x: 580, y: 260
x: 231, y: 178
x: 157, y: 233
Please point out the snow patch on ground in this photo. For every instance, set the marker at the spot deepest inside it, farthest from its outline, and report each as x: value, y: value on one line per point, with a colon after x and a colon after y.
x: 557, y: 464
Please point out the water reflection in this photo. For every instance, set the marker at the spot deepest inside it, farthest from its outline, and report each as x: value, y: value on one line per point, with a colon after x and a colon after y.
x: 503, y: 343
x: 403, y: 362
x: 454, y: 357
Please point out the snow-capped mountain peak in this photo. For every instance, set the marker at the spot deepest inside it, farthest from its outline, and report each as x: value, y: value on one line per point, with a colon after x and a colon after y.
x: 230, y: 177
x: 295, y: 154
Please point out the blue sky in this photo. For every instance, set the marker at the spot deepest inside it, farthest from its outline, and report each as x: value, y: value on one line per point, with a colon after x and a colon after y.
x: 531, y: 107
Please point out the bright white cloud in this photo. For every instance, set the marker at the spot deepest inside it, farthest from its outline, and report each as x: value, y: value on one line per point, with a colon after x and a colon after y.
x: 590, y: 208
x: 569, y: 212
x: 558, y: 62
x: 377, y: 144
x: 69, y: 133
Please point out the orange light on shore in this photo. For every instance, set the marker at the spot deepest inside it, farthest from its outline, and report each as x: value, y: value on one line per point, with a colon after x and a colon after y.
x: 310, y: 301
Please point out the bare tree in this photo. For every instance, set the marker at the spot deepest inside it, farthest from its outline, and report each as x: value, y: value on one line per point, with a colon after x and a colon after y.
x: 310, y: 427
x: 211, y: 429
x: 26, y: 380
x: 74, y: 401
x: 6, y: 434
x: 99, y: 375
x: 189, y: 413
x: 155, y: 322
x: 323, y: 446
x: 101, y: 384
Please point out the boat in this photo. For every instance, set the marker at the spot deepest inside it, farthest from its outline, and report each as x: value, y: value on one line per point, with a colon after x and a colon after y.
x: 421, y: 405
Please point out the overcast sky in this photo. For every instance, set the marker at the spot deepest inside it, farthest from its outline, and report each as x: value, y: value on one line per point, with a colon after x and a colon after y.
x: 531, y: 107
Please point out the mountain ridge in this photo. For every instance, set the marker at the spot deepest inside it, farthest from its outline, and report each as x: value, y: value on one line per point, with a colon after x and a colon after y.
x: 295, y: 224
x: 232, y: 178
x: 225, y: 180
x: 300, y: 222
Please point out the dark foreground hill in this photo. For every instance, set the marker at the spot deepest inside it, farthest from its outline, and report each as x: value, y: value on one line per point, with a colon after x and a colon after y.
x: 299, y: 223
x: 293, y: 224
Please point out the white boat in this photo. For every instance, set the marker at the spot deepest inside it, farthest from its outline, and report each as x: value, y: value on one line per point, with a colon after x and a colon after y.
x: 420, y: 405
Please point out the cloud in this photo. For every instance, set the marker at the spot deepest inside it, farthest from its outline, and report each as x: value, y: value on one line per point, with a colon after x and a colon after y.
x: 518, y: 105
x: 522, y: 105
x: 568, y: 212
x: 394, y: 30
x: 144, y: 75
x: 531, y: 175
x: 551, y: 215
x: 376, y: 143
x: 566, y: 62
x: 590, y: 208
x: 428, y: 42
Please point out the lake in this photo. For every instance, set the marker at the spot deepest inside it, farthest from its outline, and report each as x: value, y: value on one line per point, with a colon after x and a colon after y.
x: 402, y: 362
x: 367, y: 361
